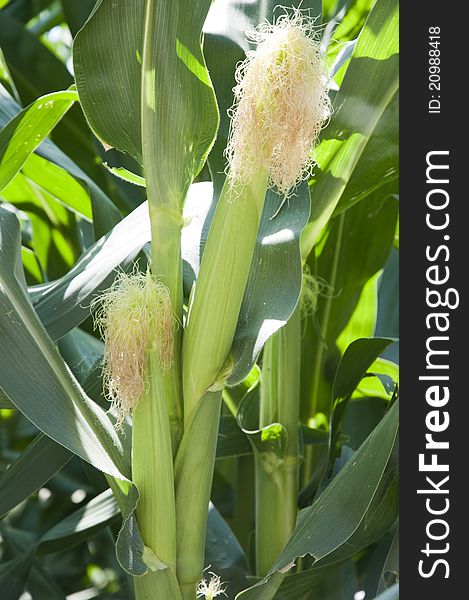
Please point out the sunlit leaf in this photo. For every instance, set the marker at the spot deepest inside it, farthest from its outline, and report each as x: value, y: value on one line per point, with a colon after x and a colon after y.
x: 358, y: 108
x: 23, y: 134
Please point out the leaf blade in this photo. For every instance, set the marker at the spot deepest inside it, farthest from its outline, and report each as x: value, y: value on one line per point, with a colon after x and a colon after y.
x: 25, y: 131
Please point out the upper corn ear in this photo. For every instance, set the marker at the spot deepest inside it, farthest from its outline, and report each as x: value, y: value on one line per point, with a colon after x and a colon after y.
x: 281, y: 103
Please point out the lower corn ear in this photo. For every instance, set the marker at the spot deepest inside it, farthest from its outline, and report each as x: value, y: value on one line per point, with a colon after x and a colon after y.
x: 133, y: 315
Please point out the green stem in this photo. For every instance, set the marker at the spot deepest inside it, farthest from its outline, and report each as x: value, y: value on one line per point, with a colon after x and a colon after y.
x: 152, y: 473
x: 272, y: 527
x: 155, y: 585
x: 277, y: 480
x: 318, y: 359
x: 167, y: 267
x: 157, y: 421
x: 165, y: 211
x: 194, y: 466
x: 289, y: 411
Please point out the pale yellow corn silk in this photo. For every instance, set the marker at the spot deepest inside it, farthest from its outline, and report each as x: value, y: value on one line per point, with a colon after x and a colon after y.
x: 281, y: 103
x: 312, y: 287
x: 133, y: 315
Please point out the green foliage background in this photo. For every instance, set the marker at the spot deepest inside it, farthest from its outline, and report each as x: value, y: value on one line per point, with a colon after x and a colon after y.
x: 60, y: 521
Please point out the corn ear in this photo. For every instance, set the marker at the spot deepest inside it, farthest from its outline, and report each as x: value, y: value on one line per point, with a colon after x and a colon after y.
x: 194, y: 468
x: 152, y: 473
x: 218, y: 294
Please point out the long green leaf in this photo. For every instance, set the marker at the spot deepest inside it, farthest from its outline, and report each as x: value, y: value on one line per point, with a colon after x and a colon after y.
x: 222, y: 549
x: 378, y: 166
x: 223, y: 552
x: 274, y: 283
x: 53, y: 228
x: 43, y: 457
x: 59, y: 406
x: 358, y: 108
x: 13, y: 575
x: 107, y: 60
x: 23, y: 134
x: 319, y: 582
x: 107, y: 54
x: 41, y: 585
x: 60, y: 184
x: 344, y: 267
x: 98, y: 513
x: 29, y: 572
x: 355, y: 362
x: 34, y: 467
x: 370, y: 224
x: 60, y: 170
x: 37, y: 71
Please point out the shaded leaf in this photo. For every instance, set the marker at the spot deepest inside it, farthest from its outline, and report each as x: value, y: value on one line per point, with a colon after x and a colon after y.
x: 274, y: 282
x: 37, y: 71
x: 5, y: 402
x: 391, y: 594
x: 223, y: 553
x: 80, y: 525
x: 13, y: 576
x: 390, y: 574
x: 76, y: 13
x: 232, y: 441
x: 33, y: 468
x: 367, y: 225
x: 59, y: 406
x: 357, y: 359
x: 378, y: 165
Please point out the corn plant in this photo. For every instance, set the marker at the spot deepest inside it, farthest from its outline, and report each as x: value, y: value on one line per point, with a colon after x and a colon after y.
x: 197, y: 252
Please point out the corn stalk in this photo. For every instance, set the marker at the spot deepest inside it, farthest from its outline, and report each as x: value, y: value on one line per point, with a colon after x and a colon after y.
x: 277, y: 477
x: 211, y: 324
x: 157, y: 421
